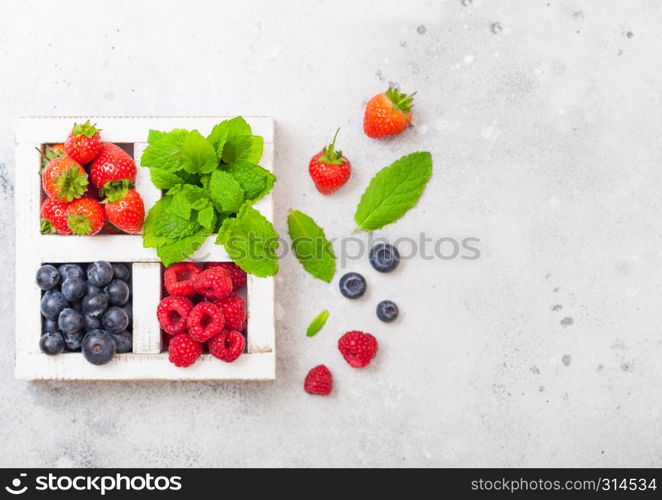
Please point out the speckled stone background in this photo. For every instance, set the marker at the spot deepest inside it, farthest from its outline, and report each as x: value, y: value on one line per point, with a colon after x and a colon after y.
x: 544, y: 119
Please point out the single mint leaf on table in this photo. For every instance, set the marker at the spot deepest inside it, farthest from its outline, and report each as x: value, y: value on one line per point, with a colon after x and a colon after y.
x: 198, y: 155
x: 311, y: 247
x: 226, y: 129
x: 393, y: 190
x: 226, y: 192
x: 317, y: 324
x: 166, y: 151
x: 247, y: 148
x: 181, y: 249
x: 254, y: 180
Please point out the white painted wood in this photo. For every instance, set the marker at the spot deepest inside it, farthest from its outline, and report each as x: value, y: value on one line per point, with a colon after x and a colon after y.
x: 146, y: 294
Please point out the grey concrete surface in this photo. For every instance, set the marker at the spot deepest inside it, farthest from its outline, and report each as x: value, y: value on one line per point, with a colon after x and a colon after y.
x: 544, y: 121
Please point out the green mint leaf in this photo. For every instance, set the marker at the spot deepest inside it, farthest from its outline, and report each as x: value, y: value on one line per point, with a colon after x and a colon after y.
x: 251, y: 241
x: 243, y: 148
x: 226, y: 192
x: 311, y: 247
x: 180, y: 249
x: 166, y: 151
x: 198, y: 155
x: 187, y: 197
x: 317, y: 324
x: 254, y: 180
x: 393, y: 190
x: 174, y: 227
x: 154, y: 135
x: 207, y: 218
x: 223, y: 131
x: 164, y: 179
x: 156, y: 213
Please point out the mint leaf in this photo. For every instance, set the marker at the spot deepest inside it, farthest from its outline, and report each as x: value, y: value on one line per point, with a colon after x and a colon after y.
x: 198, y: 155
x: 225, y: 192
x: 317, y: 324
x: 311, y: 247
x: 163, y: 179
x: 254, y: 180
x: 188, y: 197
x: 251, y: 241
x: 180, y: 249
x: 166, y: 151
x: 207, y: 218
x: 393, y: 190
x: 223, y: 131
x: 154, y: 135
x: 243, y: 148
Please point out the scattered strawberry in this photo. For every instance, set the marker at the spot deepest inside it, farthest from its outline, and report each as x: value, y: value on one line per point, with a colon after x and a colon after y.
x: 172, y: 313
x: 178, y: 278
x: 234, y: 310
x: 128, y: 213
x: 358, y: 348
x: 329, y: 169
x: 204, y: 321
x: 183, y: 350
x: 85, y: 216
x: 64, y: 179
x: 83, y: 143
x: 54, y: 217
x: 387, y: 114
x: 213, y: 284
x: 319, y: 381
x: 227, y: 345
x: 113, y: 171
x: 237, y: 274
x: 50, y: 153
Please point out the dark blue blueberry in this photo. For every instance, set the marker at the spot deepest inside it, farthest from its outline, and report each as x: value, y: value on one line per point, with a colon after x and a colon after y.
x: 352, y: 285
x: 384, y: 257
x: 100, y: 273
x: 77, y: 306
x: 122, y: 271
x: 98, y: 347
x: 72, y: 341
x: 128, y: 307
x: 71, y: 271
x: 52, y: 304
x: 51, y: 343
x: 124, y: 341
x: 73, y: 289
x: 95, y: 305
x: 91, y: 323
x: 49, y: 325
x: 118, y: 292
x: 92, y: 290
x: 115, y: 320
x: 70, y: 321
x: 387, y: 311
x: 47, y: 277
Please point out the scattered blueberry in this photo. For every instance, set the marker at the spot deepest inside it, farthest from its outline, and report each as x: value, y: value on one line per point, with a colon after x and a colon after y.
x: 118, y: 292
x: 51, y: 343
x: 70, y: 320
x: 91, y: 323
x: 72, y: 341
x: 47, y: 277
x: 92, y: 289
x: 352, y: 285
x: 100, y: 273
x: 384, y: 257
x: 52, y: 303
x: 71, y: 271
x: 123, y: 341
x: 98, y: 347
x: 115, y: 320
x: 121, y: 271
x: 95, y: 305
x: 128, y: 308
x: 73, y: 289
x: 387, y: 311
x: 49, y: 325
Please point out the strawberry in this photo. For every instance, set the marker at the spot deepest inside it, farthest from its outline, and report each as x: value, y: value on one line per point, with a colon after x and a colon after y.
x: 113, y: 171
x: 53, y: 217
x: 83, y: 143
x: 85, y: 216
x: 387, y: 114
x: 329, y: 169
x: 64, y: 179
x: 128, y: 213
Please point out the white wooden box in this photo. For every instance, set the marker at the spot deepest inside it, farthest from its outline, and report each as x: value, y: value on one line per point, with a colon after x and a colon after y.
x: 148, y: 361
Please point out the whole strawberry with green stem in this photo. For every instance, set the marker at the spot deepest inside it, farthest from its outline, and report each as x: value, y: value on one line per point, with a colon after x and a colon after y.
x: 54, y: 217
x: 113, y: 172
x: 64, y: 179
x: 85, y: 216
x: 83, y: 143
x: 329, y: 169
x: 388, y: 114
x: 128, y: 213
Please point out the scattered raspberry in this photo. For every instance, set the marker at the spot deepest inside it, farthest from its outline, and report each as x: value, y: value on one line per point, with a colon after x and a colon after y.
x: 183, y: 350
x: 213, y: 284
x: 318, y: 381
x: 173, y: 312
x: 178, y: 279
x: 227, y: 345
x: 204, y: 321
x: 237, y: 274
x: 234, y: 310
x: 358, y: 348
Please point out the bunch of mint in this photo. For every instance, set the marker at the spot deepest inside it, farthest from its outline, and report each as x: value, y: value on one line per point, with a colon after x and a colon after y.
x: 210, y: 184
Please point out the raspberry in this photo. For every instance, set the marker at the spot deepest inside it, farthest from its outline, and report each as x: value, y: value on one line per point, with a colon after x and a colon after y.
x: 358, y: 348
x: 237, y: 274
x: 234, y: 310
x: 227, y: 345
x: 319, y: 381
x: 178, y: 279
x: 172, y: 313
x: 183, y: 350
x: 213, y: 284
x: 204, y: 321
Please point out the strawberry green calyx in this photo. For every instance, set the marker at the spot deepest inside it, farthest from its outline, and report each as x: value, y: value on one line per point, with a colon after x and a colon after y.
x: 115, y: 190
x: 400, y: 101
x: 329, y: 154
x: 47, y: 227
x: 87, y: 129
x: 73, y: 184
x: 79, y: 224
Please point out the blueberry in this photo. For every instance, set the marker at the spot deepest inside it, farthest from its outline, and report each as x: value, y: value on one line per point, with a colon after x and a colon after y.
x: 92, y: 290
x: 70, y: 321
x: 51, y: 343
x: 118, y: 292
x: 98, y: 347
x: 91, y: 323
x: 100, y: 273
x: 122, y: 271
x: 72, y: 341
x: 47, y: 277
x: 384, y: 257
x: 352, y: 285
x: 115, y: 320
x: 71, y: 271
x: 73, y: 289
x: 128, y: 308
x: 52, y: 303
x: 77, y: 306
x: 387, y: 311
x: 124, y: 341
x: 95, y: 305
x: 49, y: 325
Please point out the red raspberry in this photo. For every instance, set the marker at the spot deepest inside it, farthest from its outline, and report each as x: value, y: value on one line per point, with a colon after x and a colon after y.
x: 319, y: 381
x: 234, y: 310
x: 213, y: 284
x: 237, y: 274
x: 204, y: 321
x: 178, y: 279
x: 358, y: 348
x: 183, y: 350
x: 227, y: 345
x: 172, y: 313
